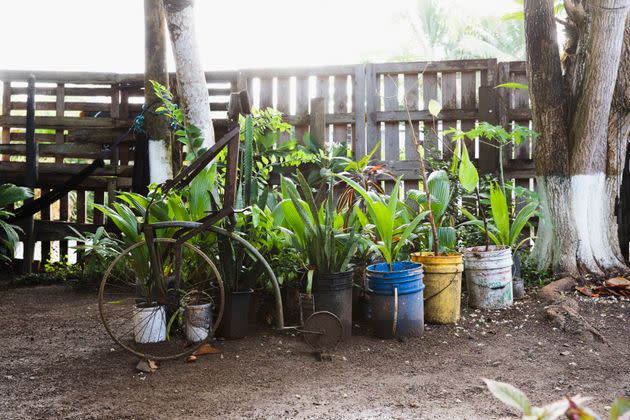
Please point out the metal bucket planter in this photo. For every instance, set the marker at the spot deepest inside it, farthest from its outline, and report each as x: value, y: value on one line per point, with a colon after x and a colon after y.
x: 489, y: 276
x: 149, y: 324
x: 396, y: 304
x: 332, y: 292
x: 443, y: 286
x: 198, y: 322
x: 235, y: 322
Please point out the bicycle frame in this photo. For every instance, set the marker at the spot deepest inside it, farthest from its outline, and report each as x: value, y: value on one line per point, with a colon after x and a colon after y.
x: 231, y: 141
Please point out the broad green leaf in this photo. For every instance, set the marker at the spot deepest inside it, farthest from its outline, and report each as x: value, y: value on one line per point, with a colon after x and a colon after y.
x: 468, y: 175
x: 521, y: 220
x: 509, y: 395
x: 513, y: 85
x: 620, y: 407
x: 434, y: 108
x: 500, y: 213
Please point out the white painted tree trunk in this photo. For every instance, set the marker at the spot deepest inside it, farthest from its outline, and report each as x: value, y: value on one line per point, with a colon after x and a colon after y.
x: 574, y: 235
x: 161, y: 163
x: 191, y: 80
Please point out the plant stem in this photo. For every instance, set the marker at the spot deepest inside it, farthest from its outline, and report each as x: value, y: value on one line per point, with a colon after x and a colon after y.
x: 483, y: 215
x: 425, y: 182
x: 501, y: 168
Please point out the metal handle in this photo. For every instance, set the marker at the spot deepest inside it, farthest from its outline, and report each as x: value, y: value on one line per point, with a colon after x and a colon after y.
x: 395, y: 322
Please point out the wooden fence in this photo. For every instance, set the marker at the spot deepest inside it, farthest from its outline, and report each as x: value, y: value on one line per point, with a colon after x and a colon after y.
x: 363, y: 104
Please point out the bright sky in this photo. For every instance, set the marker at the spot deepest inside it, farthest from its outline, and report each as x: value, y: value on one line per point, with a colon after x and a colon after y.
x: 91, y: 35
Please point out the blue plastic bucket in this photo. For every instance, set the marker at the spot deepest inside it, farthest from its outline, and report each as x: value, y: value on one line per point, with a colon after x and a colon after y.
x: 396, y: 299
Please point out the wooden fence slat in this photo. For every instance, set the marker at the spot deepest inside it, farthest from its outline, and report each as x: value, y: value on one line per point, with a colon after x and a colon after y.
x: 6, y: 110
x: 59, y: 140
x: 373, y: 104
x: 390, y: 102
x: 469, y: 101
x: 340, y: 106
x: 429, y: 92
x: 322, y: 90
x: 358, y: 108
x: 266, y: 93
x: 283, y: 97
x: 302, y: 98
x: 521, y: 101
x: 449, y: 101
x: 411, y: 102
x: 45, y: 245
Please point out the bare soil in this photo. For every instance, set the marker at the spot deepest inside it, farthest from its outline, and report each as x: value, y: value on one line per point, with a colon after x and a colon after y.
x: 56, y: 361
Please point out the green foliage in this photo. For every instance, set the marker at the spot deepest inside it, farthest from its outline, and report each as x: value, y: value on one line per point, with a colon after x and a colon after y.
x: 316, y: 231
x: 569, y: 407
x: 438, y: 34
x: 513, y: 85
x: 503, y: 229
x: 441, y: 195
x: 390, y: 219
x: 95, y: 251
x: 187, y: 134
x: 530, y: 272
x: 9, y: 194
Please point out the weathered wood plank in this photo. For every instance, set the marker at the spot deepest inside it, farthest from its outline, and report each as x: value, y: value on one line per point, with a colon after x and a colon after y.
x: 55, y: 180
x: 429, y: 92
x: 318, y: 123
x: 469, y: 101
x: 301, y: 105
x: 390, y: 102
x: 340, y: 106
x: 431, y: 66
x: 520, y: 100
x: 449, y: 102
x: 283, y: 96
x: 411, y: 86
x: 66, y: 169
x: 99, y: 198
x: 6, y: 110
x: 266, y: 93
x: 373, y: 105
x: 358, y: 108
x: 322, y: 90
x: 65, y: 122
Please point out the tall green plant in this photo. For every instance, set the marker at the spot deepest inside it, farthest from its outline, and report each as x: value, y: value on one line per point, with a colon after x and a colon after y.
x: 384, y: 213
x: 502, y: 229
x: 10, y: 194
x: 441, y: 194
x: 317, y: 230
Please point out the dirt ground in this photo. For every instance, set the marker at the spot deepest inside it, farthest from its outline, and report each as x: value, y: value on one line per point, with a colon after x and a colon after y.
x: 56, y: 361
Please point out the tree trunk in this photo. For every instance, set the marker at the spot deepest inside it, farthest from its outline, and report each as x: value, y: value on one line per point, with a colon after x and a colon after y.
x: 157, y: 141
x: 574, y: 113
x: 191, y: 79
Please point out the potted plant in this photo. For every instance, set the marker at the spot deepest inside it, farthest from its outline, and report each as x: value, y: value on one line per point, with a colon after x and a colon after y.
x: 395, y: 287
x: 326, y: 248
x: 442, y: 266
x: 489, y: 267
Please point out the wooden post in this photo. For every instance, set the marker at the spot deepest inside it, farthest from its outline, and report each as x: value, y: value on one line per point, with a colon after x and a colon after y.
x: 318, y: 120
x: 32, y: 173
x: 155, y: 69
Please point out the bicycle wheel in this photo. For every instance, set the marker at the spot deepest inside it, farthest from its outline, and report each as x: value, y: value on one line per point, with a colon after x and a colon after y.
x: 164, y: 321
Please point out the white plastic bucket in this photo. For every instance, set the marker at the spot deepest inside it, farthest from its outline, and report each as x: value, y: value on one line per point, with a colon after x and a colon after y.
x: 489, y: 277
x: 149, y: 324
x: 198, y: 322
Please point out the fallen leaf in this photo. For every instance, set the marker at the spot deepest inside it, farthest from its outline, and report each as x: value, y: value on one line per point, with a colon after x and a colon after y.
x: 619, y: 282
x: 585, y: 291
x: 206, y: 349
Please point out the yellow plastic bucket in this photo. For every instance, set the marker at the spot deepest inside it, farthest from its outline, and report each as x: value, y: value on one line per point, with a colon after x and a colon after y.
x: 443, y: 286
